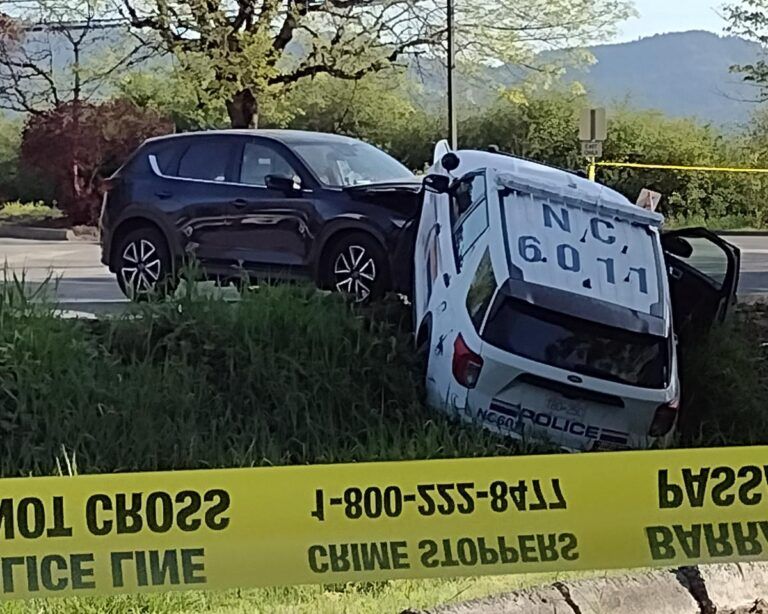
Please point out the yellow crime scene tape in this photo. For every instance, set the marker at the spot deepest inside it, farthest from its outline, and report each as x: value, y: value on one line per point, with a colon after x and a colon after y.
x: 592, y: 168
x: 215, y: 529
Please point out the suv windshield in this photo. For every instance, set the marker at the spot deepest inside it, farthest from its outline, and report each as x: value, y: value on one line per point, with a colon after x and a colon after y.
x: 342, y: 164
x: 578, y: 345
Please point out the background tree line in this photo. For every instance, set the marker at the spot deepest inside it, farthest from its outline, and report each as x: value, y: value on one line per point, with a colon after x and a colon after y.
x: 136, y: 69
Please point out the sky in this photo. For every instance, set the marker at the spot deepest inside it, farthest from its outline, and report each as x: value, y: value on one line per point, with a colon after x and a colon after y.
x: 659, y: 16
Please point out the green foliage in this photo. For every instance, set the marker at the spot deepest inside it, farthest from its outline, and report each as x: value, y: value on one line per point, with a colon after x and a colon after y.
x: 242, y: 55
x: 384, y: 108
x: 173, y: 94
x: 19, y: 212
x: 650, y: 137
x: 541, y: 126
x: 169, y: 93
x: 378, y: 108
x: 727, y: 375
x: 286, y: 376
x: 749, y: 19
x: 16, y: 182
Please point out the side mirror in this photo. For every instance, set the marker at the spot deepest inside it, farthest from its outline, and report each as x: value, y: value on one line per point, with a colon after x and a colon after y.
x: 281, y: 183
x: 677, y: 246
x: 439, y: 184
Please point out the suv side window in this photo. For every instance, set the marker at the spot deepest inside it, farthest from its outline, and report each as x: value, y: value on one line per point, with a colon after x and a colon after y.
x: 260, y: 160
x: 206, y: 160
x: 469, y: 214
x: 481, y: 291
x: 166, y: 158
x: 165, y: 155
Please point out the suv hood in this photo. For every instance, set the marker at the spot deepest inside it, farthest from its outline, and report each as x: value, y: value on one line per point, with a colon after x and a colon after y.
x: 402, y: 197
x: 406, y: 185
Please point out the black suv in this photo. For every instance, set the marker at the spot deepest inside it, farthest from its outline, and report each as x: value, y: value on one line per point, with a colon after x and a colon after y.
x: 276, y: 204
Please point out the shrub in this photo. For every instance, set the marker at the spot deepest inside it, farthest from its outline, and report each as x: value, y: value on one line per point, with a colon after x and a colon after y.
x: 77, y: 144
x: 27, y: 212
x: 17, y: 183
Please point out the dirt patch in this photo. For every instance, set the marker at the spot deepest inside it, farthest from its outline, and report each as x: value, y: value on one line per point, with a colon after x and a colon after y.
x: 84, y: 233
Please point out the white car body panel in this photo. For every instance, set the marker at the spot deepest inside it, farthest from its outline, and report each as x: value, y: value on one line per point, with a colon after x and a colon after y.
x: 556, y: 208
x: 602, y: 238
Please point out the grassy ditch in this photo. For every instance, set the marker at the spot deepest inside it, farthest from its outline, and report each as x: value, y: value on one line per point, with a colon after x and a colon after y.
x: 728, y: 373
x: 286, y: 376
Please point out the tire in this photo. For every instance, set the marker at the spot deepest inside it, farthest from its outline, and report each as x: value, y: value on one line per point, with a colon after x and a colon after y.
x: 356, y: 265
x: 144, y: 267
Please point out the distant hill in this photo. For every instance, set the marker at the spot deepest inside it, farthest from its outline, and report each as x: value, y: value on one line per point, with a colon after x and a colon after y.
x: 681, y: 74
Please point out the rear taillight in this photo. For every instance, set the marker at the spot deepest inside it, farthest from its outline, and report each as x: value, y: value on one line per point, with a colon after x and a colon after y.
x: 466, y: 364
x: 664, y: 419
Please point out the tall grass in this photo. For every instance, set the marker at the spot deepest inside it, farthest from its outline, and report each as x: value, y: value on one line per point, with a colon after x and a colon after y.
x: 726, y: 377
x: 287, y: 375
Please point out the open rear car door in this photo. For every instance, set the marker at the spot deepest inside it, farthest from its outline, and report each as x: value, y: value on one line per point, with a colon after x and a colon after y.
x: 703, y: 274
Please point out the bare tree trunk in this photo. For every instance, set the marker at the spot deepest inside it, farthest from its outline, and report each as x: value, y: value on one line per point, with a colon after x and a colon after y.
x: 243, y: 110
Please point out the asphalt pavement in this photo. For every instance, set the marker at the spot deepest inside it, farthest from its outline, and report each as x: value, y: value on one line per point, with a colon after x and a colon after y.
x: 754, y: 263
x: 71, y: 272
x: 78, y: 281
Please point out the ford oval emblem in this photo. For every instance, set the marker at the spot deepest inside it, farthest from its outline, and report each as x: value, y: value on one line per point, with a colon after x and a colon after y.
x: 575, y: 379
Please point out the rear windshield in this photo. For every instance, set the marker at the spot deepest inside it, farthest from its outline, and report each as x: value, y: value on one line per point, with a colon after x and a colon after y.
x: 578, y: 345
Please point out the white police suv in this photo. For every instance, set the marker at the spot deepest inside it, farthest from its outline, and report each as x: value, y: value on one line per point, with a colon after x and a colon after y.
x: 550, y: 307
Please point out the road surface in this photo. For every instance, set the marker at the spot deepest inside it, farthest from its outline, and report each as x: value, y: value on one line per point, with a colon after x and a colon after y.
x: 754, y: 264
x: 73, y: 270
x: 80, y: 282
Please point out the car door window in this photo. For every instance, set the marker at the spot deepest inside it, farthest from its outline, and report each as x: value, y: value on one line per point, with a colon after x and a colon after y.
x: 708, y: 259
x: 205, y: 161
x: 469, y: 214
x: 481, y: 291
x: 259, y: 160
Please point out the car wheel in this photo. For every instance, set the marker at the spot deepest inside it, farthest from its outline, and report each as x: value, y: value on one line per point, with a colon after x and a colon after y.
x: 144, y: 265
x: 356, y: 265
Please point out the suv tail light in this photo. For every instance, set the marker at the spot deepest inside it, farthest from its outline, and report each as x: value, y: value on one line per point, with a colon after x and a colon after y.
x: 664, y: 418
x: 466, y: 364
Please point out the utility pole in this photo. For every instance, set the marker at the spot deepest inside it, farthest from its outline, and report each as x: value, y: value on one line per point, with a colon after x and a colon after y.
x: 452, y: 124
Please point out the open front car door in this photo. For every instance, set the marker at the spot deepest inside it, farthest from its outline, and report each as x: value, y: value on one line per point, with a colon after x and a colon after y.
x: 703, y: 274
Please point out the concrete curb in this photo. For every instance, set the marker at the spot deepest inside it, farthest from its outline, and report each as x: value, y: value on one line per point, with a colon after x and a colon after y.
x: 707, y: 589
x: 735, y: 584
x: 11, y: 231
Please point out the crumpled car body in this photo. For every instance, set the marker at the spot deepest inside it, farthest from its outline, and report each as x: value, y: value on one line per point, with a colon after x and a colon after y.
x: 551, y: 309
